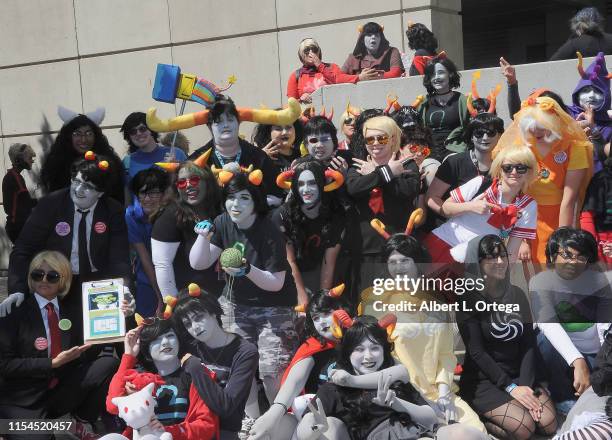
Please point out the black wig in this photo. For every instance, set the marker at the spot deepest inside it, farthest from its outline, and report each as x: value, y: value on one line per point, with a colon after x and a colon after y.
x: 454, y: 77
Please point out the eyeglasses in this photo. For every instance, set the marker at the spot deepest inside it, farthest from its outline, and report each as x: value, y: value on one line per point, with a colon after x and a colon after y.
x: 566, y: 255
x: 80, y: 134
x: 85, y: 185
x: 480, y: 132
x: 419, y: 149
x: 139, y: 129
x: 193, y: 181
x: 349, y: 121
x: 52, y: 276
x: 323, y: 138
x: 519, y: 167
x: 382, y: 139
x: 150, y: 194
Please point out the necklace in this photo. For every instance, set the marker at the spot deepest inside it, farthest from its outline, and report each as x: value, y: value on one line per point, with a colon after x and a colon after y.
x: 208, y: 355
x: 476, y: 163
x: 221, y: 159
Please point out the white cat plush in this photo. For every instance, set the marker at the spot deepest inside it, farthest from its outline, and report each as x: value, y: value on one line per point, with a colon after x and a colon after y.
x: 137, y: 410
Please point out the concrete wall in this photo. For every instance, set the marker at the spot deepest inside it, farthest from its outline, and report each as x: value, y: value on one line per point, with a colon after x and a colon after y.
x: 560, y: 76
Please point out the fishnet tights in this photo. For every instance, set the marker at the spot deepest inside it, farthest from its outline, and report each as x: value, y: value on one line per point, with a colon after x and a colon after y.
x: 512, y: 421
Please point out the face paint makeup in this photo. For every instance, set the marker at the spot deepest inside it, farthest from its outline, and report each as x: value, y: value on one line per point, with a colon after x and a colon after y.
x: 308, y: 188
x: 240, y: 207
x: 83, y: 193
x: 367, y: 357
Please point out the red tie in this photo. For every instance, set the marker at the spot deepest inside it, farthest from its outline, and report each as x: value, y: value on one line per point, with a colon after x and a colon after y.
x: 54, y: 331
x: 376, y: 202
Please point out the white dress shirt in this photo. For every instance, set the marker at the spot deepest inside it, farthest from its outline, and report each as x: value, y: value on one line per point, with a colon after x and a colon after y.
x: 74, y: 253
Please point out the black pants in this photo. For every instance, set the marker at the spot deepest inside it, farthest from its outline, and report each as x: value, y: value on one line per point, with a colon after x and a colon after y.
x: 81, y: 391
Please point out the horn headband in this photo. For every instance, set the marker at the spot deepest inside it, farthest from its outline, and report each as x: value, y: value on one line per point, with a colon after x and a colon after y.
x: 334, y: 292
x: 283, y: 180
x: 342, y: 320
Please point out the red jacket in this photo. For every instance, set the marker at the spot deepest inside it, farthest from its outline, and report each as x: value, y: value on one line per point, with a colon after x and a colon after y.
x: 199, y: 424
x: 311, y: 78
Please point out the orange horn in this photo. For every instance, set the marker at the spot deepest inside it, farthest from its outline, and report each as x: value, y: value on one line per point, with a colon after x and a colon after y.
x: 139, y: 319
x: 338, y: 180
x: 337, y: 291
x: 170, y: 300
x: 473, y: 112
x: 380, y: 228
x: 580, y: 67
x: 300, y: 308
x: 167, y: 312
x: 475, y: 77
x: 194, y: 290
x: 255, y: 177
x: 202, y: 161
x: 415, y: 219
x: 493, y: 98
x: 225, y: 176
x: 360, y: 309
x: 388, y: 322
x: 168, y: 166
x: 283, y: 180
x: 417, y: 101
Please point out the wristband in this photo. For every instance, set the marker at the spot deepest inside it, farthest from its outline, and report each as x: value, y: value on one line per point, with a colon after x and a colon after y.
x: 511, y: 387
x: 283, y: 405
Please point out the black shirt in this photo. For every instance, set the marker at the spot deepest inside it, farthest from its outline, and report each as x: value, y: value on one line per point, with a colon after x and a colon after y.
x: 458, y: 169
x: 442, y: 120
x: 264, y: 248
x: 315, y: 243
x: 234, y: 365
x: 167, y: 230
x: 173, y: 398
x: 587, y: 45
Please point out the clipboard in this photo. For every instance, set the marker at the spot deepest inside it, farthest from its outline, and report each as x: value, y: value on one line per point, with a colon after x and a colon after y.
x: 103, y: 321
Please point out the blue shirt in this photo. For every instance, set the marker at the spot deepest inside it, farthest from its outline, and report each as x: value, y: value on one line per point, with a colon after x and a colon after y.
x: 139, y: 160
x: 139, y: 231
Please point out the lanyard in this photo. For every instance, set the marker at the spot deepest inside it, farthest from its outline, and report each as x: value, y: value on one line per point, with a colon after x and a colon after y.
x: 222, y: 161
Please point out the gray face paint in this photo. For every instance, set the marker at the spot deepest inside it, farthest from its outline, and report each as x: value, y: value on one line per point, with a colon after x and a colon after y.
x: 165, y: 347
x: 307, y: 188
x: 240, y: 207
x: 485, y: 142
x: 372, y: 42
x: 225, y: 130
x: 441, y: 79
x: 83, y: 193
x: 323, y: 148
x: 589, y: 96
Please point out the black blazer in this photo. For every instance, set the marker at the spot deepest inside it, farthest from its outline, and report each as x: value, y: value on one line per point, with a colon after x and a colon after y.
x: 50, y: 227
x: 25, y: 369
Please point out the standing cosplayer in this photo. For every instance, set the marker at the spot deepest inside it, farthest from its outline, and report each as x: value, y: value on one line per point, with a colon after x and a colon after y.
x: 82, y: 223
x: 259, y: 293
x: 313, y: 222
x: 17, y: 200
x: 79, y: 134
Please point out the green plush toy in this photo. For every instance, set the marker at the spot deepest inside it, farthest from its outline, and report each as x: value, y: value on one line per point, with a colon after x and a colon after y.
x: 232, y: 257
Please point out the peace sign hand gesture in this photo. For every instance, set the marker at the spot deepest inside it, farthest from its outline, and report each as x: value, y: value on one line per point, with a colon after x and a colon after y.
x: 320, y: 424
x: 384, y: 396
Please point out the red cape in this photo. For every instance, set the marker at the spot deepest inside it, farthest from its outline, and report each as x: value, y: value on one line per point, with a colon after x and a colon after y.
x: 309, y: 348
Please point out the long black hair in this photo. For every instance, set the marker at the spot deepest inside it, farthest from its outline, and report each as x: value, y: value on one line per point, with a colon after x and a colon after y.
x: 419, y: 37
x: 330, y: 207
x: 55, y: 171
x: 370, y: 28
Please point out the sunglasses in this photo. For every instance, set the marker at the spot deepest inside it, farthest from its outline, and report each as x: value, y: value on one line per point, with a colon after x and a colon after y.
x: 570, y: 257
x: 480, y: 132
x: 416, y: 149
x: 139, y: 129
x: 349, y: 121
x: 520, y: 168
x: 381, y: 139
x: 52, y: 276
x: 150, y: 194
x: 322, y: 138
x: 193, y: 181
x: 85, y: 185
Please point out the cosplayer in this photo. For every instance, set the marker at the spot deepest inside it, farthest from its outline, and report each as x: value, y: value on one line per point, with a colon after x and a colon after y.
x: 79, y: 134
x: 499, y: 373
x: 144, y: 151
x: 18, y: 202
x: 321, y: 142
x: 280, y: 142
x: 357, y: 144
x: 593, y: 93
x: 149, y: 185
x: 82, y: 223
x: 46, y: 372
x: 259, y: 293
x: 314, y: 73
x: 373, y: 56
x: 481, y: 135
x: 588, y: 36
x: 565, y: 162
x: 231, y: 358
x: 348, y: 119
x: 502, y: 209
x: 424, y: 43
x: 425, y: 339
x: 390, y: 408
x: 313, y: 222
x: 444, y: 111
x: 595, y: 216
x: 181, y: 142
x: 572, y: 304
x: 152, y: 356
x: 197, y: 198
x: 383, y: 186
x: 223, y: 120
